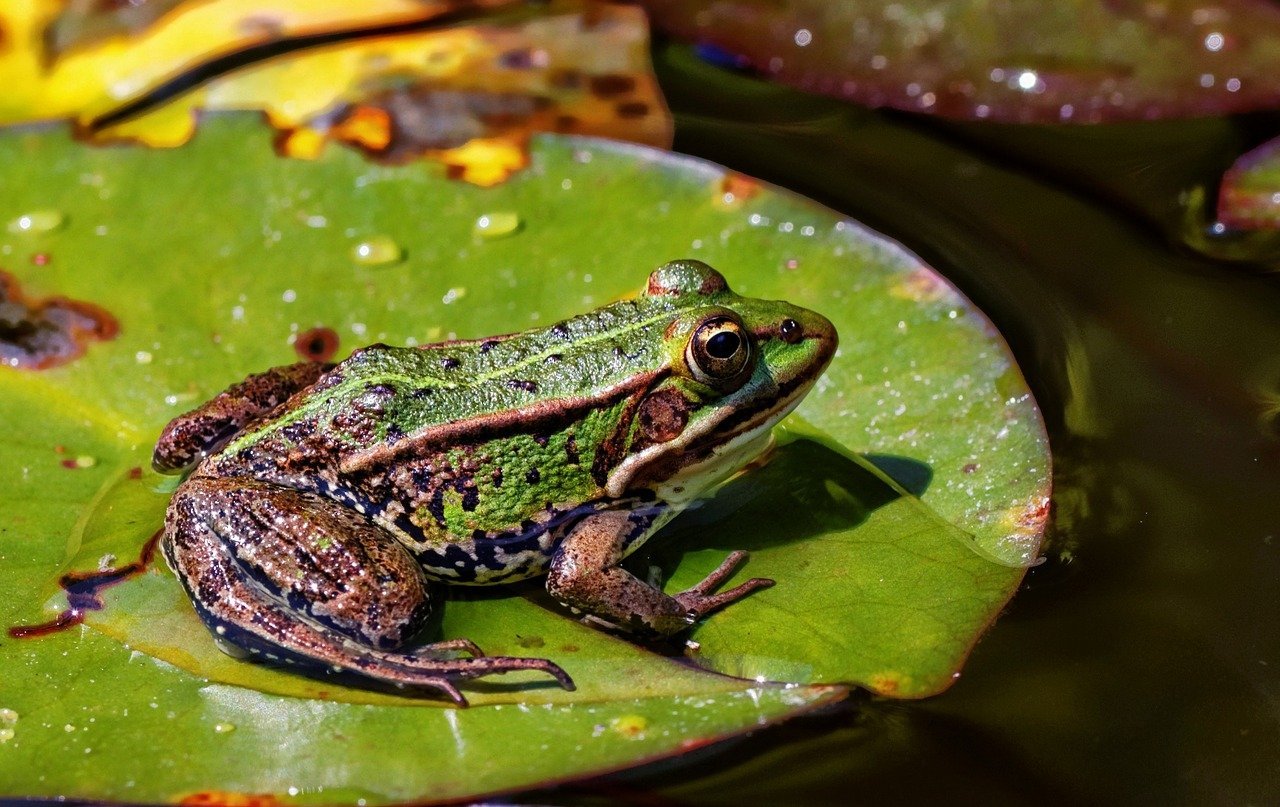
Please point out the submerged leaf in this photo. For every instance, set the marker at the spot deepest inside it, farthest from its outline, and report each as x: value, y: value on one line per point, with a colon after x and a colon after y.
x: 1043, y: 61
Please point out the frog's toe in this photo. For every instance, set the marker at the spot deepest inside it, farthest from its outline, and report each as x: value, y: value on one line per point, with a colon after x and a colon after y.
x: 412, y: 664
x: 699, y: 601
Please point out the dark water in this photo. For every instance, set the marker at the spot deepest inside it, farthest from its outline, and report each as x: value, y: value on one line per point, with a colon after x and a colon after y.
x: 1141, y: 663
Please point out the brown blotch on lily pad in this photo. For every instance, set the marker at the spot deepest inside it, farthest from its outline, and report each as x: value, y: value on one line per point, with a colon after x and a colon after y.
x: 39, y: 334
x: 316, y: 344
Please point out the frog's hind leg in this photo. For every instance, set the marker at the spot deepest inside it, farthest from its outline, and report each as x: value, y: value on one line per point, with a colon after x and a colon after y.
x: 288, y: 576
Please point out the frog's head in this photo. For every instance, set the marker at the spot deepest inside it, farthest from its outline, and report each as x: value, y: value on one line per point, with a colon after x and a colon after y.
x: 737, y: 365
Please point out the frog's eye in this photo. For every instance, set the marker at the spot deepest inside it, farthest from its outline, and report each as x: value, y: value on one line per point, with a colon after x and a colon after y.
x: 719, y: 351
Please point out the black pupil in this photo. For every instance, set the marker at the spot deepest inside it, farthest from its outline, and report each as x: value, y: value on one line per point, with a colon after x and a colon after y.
x: 723, y: 345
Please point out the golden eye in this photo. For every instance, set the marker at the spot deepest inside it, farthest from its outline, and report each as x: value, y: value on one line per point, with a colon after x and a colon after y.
x: 719, y: 351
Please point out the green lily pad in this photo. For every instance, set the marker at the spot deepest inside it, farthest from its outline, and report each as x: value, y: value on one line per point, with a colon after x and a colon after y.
x: 215, y: 257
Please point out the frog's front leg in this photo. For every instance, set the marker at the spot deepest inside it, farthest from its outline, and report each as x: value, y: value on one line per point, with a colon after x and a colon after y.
x: 191, y: 437
x: 291, y: 576
x: 585, y: 574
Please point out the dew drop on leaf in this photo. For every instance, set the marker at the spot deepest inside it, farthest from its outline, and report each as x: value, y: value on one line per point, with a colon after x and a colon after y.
x: 38, y: 221
x: 497, y: 224
x: 378, y: 250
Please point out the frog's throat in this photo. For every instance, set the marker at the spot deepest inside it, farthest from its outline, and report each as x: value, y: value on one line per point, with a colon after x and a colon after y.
x: 701, y: 468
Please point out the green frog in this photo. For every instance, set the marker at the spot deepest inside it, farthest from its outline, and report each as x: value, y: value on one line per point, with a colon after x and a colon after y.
x: 325, y: 503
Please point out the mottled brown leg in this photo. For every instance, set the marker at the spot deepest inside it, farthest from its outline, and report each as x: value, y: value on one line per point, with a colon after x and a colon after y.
x: 292, y: 577
x: 191, y: 437
x: 585, y: 575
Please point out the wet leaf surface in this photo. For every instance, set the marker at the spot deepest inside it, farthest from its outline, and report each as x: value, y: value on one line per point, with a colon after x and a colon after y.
x: 885, y: 582
x: 1039, y: 61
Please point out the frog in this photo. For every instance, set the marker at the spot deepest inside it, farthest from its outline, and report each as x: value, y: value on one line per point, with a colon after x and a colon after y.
x: 325, y: 507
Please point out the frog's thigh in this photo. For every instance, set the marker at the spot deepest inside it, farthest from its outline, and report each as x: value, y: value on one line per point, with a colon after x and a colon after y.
x: 298, y: 550
x: 585, y: 574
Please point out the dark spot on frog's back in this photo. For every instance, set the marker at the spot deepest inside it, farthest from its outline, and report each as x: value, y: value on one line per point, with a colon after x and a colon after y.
x: 450, y: 362
x: 487, y: 345
x: 36, y: 335
x: 524, y: 384
x: 571, y: 455
x: 561, y: 330
x: 318, y: 344
x: 533, y: 476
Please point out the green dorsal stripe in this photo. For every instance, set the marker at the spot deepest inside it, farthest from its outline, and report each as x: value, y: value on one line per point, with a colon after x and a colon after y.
x: 457, y: 382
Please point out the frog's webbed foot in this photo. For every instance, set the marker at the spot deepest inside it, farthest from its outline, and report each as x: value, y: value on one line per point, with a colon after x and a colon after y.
x: 700, y: 601
x: 292, y: 577
x: 586, y: 574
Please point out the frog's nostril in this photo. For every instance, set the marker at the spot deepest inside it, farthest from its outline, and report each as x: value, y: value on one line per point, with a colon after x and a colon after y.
x: 790, y: 331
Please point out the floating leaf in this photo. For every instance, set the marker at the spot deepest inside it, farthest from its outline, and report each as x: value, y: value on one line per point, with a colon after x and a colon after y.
x: 468, y: 96
x: 1250, y: 195
x: 887, y: 565
x: 1043, y: 61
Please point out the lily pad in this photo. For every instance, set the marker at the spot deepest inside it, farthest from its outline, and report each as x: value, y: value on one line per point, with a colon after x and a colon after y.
x: 1043, y: 61
x: 221, y: 254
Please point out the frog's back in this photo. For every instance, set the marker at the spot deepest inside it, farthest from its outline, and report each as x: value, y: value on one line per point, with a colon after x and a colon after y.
x: 385, y: 401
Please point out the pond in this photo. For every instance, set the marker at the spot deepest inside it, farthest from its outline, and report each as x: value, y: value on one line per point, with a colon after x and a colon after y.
x: 1139, y: 663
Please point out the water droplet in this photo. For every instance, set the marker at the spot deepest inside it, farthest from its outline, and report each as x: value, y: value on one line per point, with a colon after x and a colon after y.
x: 498, y: 224
x: 38, y: 221
x: 224, y: 728
x: 1213, y: 42
x: 85, y: 461
x: 455, y: 293
x: 378, y: 250
x: 289, y: 295
x: 142, y: 357
x: 803, y: 37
